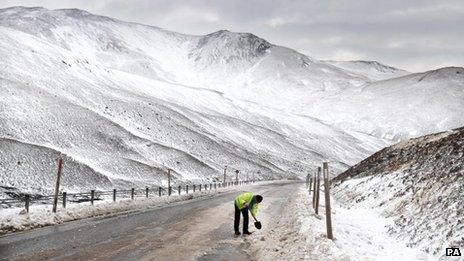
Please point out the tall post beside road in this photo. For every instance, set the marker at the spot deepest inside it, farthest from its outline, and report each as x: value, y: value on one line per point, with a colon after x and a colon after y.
x: 314, y: 191
x: 27, y: 199
x: 317, y: 191
x: 225, y: 170
x: 64, y: 199
x: 310, y: 183
x: 169, y: 182
x: 57, y: 185
x: 236, y: 176
x: 92, y: 196
x: 328, y: 213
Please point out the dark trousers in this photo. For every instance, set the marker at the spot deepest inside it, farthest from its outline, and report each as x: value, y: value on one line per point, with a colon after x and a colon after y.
x: 237, y: 218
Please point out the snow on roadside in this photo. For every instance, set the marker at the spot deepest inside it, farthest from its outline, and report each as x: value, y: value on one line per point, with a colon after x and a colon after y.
x: 360, y: 234
x: 14, y: 220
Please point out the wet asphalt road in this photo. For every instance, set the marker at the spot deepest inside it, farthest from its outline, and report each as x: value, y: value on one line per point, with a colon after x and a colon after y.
x: 197, y: 229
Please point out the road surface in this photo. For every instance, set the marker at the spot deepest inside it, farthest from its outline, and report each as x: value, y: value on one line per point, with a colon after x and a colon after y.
x: 197, y: 229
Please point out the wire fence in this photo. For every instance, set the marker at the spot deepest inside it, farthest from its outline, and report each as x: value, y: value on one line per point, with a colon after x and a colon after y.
x: 26, y: 200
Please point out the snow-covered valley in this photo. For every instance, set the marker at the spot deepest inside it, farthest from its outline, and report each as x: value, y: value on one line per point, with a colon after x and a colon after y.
x: 123, y: 101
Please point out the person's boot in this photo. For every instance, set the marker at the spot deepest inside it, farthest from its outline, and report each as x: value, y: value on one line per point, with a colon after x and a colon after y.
x: 237, y: 233
x: 246, y: 233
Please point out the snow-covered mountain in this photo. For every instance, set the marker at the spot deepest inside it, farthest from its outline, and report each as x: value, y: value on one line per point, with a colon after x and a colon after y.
x: 418, y: 184
x: 123, y: 101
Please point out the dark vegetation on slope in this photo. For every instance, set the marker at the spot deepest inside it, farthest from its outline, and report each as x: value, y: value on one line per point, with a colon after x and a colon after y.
x: 432, y: 153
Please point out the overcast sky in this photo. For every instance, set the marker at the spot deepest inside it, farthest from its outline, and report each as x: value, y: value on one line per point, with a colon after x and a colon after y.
x: 413, y: 35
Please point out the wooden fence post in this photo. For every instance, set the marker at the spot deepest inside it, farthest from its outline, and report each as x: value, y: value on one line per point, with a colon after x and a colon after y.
x: 146, y: 192
x: 314, y: 191
x: 178, y: 188
x: 27, y: 199
x: 310, y: 184
x: 187, y: 189
x: 57, y: 185
x: 64, y: 199
x: 194, y: 187
x: 92, y: 196
x: 159, y: 191
x: 200, y: 187
x: 328, y: 213
x: 169, y: 182
x: 225, y: 169
x: 132, y: 193
x: 318, y: 185
x: 114, y: 195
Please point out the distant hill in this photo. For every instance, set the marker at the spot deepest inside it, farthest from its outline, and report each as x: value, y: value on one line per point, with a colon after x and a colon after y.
x: 372, y: 70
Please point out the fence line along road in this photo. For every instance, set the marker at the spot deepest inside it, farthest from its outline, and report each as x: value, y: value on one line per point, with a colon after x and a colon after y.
x: 95, y: 195
x: 316, y: 181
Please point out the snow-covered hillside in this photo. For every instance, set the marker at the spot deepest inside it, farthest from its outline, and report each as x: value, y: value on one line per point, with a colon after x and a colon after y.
x: 372, y: 70
x: 418, y: 184
x: 399, y: 108
x: 123, y: 101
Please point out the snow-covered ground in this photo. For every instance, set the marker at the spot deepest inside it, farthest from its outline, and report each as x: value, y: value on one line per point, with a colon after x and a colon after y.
x: 359, y: 234
x: 418, y: 184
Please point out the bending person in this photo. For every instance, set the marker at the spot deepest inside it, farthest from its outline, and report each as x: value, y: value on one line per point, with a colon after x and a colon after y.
x: 243, y: 203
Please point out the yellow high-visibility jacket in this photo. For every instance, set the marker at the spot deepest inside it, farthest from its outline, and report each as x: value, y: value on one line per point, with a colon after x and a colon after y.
x: 248, y: 198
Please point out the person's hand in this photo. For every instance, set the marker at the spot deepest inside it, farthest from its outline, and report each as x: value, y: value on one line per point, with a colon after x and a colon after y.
x: 245, y: 205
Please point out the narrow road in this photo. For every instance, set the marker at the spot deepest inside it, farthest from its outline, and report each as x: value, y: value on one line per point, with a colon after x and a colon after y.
x: 198, y: 229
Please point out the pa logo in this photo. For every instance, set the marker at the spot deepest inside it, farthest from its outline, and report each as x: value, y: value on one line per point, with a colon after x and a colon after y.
x: 453, y: 251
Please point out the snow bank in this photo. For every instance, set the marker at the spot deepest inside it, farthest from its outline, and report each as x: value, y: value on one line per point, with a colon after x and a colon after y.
x: 360, y: 234
x: 419, y: 185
